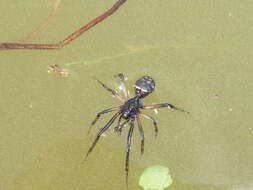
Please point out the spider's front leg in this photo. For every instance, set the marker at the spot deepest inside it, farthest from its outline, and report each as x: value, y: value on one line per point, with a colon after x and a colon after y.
x: 122, y: 86
x: 165, y: 105
x: 114, y: 92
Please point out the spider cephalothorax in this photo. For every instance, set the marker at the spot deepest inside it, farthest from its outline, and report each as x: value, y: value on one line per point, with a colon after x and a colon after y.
x: 129, y: 112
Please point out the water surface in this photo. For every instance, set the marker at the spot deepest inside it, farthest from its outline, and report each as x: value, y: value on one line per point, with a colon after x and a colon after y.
x: 198, y: 52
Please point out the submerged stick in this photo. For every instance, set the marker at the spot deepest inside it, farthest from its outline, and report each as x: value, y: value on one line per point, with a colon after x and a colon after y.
x: 69, y: 38
x: 42, y: 26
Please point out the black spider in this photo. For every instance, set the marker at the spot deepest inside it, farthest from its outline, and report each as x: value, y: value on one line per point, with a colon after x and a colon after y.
x: 129, y: 112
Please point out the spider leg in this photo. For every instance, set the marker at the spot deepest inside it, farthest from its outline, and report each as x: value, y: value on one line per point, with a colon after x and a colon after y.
x: 100, y: 132
x: 101, y: 113
x: 122, y: 86
x: 114, y: 92
x: 170, y: 106
x: 116, y: 128
x: 153, y: 120
x: 128, y: 149
x: 141, y: 134
x: 122, y: 125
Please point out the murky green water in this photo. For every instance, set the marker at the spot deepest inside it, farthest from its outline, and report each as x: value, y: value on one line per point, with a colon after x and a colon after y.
x: 200, y: 55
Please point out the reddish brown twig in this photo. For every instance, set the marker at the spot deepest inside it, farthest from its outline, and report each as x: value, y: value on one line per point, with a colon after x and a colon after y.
x: 70, y: 37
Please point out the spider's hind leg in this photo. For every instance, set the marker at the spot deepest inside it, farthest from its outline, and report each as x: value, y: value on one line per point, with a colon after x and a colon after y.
x: 116, y: 128
x: 121, y: 126
x: 153, y: 120
x: 101, y: 113
x: 128, y: 149
x: 141, y: 134
x: 101, y: 132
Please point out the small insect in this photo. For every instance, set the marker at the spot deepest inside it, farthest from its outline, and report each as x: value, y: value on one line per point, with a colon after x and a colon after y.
x: 59, y: 70
x: 128, y: 113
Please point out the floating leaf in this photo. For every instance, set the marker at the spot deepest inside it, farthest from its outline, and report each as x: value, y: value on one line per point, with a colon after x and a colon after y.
x: 155, y: 178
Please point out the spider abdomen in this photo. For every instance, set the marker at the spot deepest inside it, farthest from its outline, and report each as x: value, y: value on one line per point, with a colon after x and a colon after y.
x: 131, y: 107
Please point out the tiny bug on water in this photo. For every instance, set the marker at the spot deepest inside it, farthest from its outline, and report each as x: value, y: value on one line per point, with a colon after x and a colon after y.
x: 59, y: 70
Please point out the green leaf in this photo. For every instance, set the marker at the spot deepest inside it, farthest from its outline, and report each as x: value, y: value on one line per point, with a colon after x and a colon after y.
x: 155, y: 178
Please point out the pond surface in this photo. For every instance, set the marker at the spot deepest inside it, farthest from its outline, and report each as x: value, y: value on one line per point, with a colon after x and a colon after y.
x: 200, y: 55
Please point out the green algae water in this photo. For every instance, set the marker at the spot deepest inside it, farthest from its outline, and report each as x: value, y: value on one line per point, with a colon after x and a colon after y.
x: 200, y: 56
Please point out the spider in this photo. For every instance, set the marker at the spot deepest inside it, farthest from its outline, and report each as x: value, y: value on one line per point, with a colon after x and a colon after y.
x: 129, y: 112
